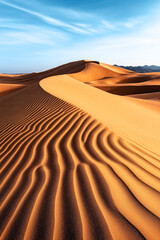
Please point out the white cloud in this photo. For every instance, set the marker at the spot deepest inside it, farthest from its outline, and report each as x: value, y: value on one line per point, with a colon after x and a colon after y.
x: 70, y: 13
x: 132, y: 42
x: 137, y: 48
x: 88, y: 24
x: 133, y: 22
x: 49, y: 20
x: 30, y: 34
x: 82, y: 25
x: 107, y: 25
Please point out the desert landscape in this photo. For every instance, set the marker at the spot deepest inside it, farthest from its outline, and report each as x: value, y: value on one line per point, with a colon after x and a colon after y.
x: 80, y: 154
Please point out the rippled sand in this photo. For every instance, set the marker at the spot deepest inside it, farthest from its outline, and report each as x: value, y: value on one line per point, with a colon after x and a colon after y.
x: 80, y: 154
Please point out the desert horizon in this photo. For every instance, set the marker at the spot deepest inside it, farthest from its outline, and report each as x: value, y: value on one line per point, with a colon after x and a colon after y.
x: 80, y: 153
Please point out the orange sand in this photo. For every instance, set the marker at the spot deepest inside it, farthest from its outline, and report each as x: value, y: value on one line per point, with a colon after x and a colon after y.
x: 80, y: 154
x: 6, y: 89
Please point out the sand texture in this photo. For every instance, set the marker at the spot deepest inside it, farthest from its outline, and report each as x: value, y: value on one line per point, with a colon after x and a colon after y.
x: 80, y: 154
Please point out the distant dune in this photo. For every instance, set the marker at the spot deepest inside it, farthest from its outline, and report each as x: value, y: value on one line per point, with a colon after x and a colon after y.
x: 80, y: 154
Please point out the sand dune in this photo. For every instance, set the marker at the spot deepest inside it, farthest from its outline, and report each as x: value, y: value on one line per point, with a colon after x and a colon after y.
x: 78, y: 162
x: 9, y: 88
x: 120, y: 115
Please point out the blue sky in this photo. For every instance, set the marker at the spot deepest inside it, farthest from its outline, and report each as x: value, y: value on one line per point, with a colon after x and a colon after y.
x: 40, y: 34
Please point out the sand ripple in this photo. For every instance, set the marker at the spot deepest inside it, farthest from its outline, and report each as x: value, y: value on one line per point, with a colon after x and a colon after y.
x: 64, y: 175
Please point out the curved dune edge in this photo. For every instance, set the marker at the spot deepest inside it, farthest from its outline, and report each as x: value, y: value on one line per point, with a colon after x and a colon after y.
x: 106, y: 77
x: 126, y: 117
x: 30, y: 78
x: 65, y: 175
x: 84, y: 69
x: 94, y: 71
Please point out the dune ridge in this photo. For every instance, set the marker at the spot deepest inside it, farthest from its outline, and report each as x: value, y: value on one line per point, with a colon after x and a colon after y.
x: 121, y: 114
x: 68, y: 174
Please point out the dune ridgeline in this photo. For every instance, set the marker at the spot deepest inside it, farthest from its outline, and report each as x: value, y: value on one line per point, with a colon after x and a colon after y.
x: 80, y: 154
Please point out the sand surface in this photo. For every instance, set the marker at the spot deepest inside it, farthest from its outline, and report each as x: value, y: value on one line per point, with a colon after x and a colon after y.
x: 80, y: 154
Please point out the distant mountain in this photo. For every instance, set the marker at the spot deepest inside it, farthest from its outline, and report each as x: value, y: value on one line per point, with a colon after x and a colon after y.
x: 141, y: 69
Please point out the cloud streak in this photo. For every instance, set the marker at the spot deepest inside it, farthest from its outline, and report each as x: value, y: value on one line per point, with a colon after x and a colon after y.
x: 15, y: 34
x: 47, y: 19
x: 128, y: 49
x: 87, y: 27
x: 32, y: 38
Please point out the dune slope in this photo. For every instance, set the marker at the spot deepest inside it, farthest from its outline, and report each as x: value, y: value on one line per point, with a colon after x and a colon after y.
x: 123, y: 115
x: 72, y: 164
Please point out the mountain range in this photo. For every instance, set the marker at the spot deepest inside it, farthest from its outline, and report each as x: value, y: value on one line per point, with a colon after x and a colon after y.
x: 141, y: 69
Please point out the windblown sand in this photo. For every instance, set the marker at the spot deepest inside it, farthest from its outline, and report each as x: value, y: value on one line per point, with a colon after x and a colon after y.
x: 80, y: 154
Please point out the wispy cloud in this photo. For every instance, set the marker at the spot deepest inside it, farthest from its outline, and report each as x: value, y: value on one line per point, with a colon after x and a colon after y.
x: 107, y: 25
x: 133, y: 22
x: 71, y: 13
x: 37, y: 30
x: 16, y: 34
x: 137, y: 48
x: 86, y: 26
x: 49, y: 20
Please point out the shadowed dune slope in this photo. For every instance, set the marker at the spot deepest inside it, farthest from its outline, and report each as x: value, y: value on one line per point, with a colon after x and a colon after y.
x: 72, y: 67
x: 6, y: 89
x: 103, y: 76
x: 10, y: 83
x: 78, y: 162
x: 94, y: 71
